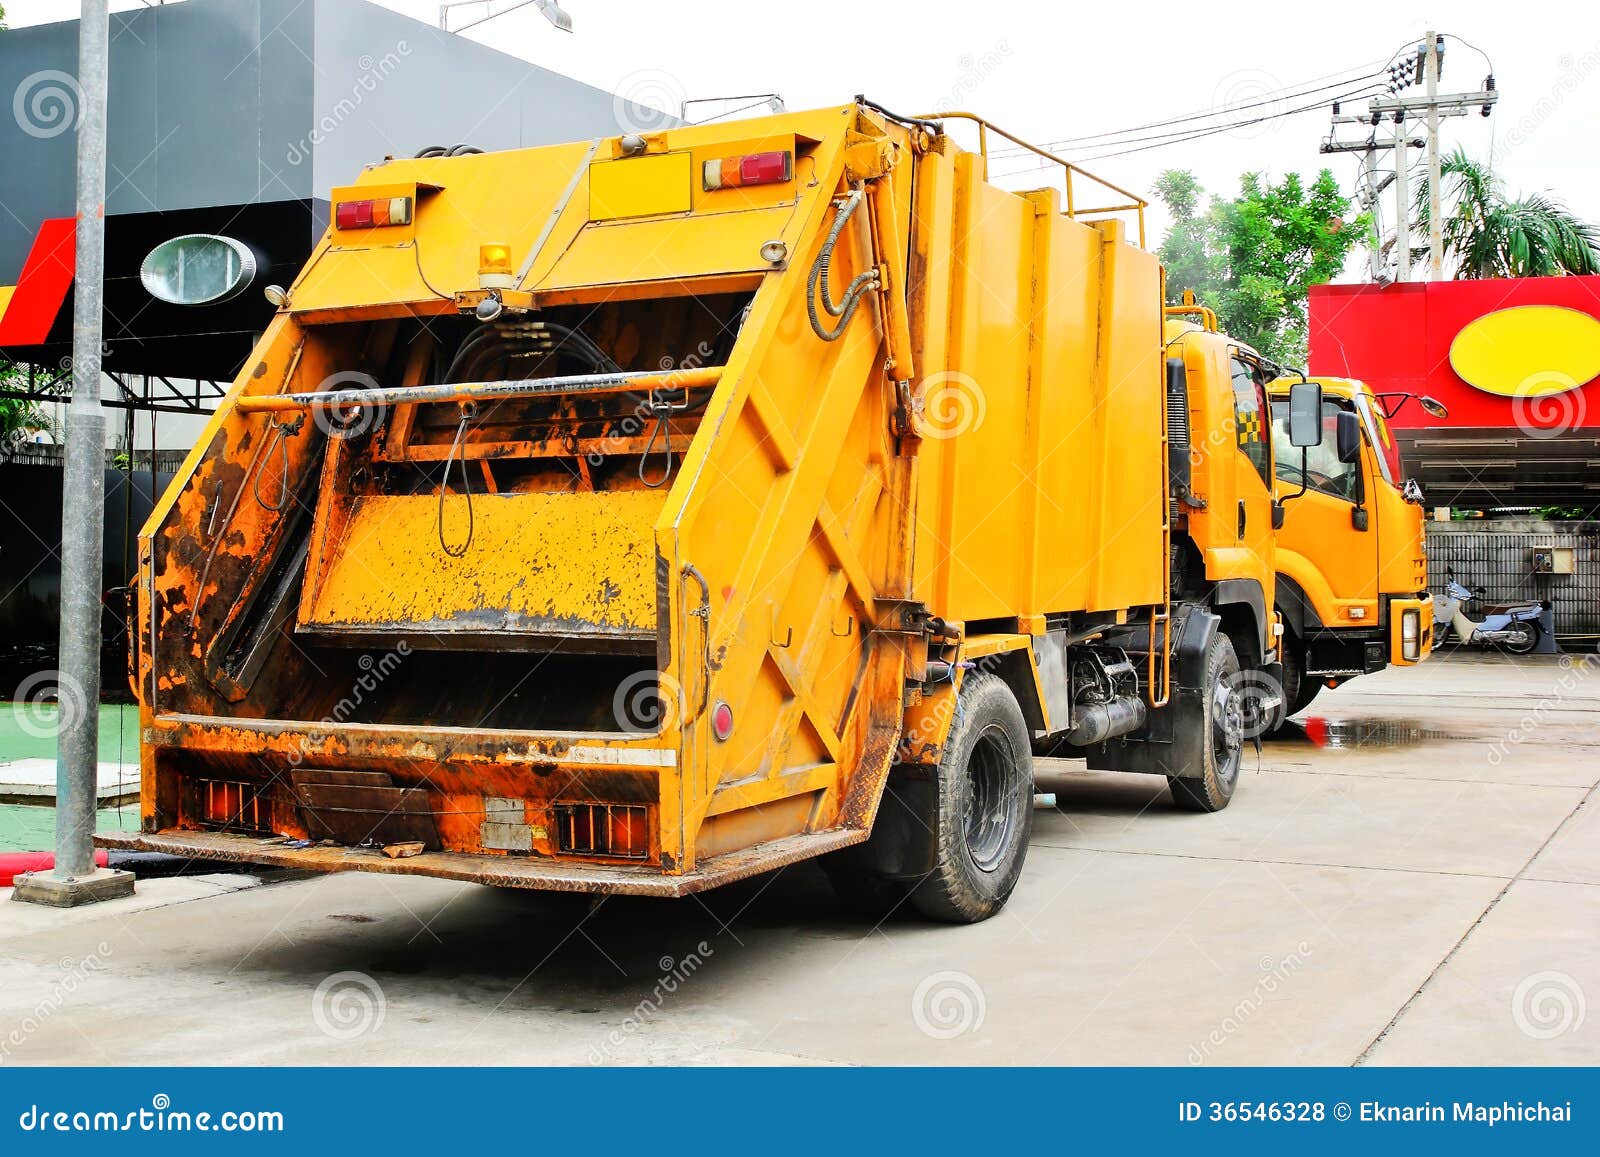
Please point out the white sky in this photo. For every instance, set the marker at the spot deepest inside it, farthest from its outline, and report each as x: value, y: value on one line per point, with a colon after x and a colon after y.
x: 1049, y: 71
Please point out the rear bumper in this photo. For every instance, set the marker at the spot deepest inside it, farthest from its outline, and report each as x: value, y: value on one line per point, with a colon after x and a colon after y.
x: 497, y: 871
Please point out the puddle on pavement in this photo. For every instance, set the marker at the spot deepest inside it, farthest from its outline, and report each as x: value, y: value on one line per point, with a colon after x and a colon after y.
x: 1370, y: 734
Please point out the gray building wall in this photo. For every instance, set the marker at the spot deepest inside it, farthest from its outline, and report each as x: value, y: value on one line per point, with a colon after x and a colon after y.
x: 1495, y: 555
x: 230, y: 102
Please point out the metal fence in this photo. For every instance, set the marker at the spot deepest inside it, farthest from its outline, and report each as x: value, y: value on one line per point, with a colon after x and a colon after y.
x: 1500, y: 560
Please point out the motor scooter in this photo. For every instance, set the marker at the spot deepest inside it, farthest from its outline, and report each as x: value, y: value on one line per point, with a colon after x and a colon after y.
x: 1512, y: 628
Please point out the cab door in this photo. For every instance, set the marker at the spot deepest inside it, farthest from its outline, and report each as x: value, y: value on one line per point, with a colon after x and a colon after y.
x: 1319, y: 546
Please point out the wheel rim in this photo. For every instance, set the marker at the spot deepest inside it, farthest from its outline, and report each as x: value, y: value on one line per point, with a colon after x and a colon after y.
x: 1227, y: 731
x: 989, y: 818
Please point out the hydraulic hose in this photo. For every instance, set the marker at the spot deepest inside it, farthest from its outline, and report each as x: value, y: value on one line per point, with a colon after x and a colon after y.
x: 845, y: 309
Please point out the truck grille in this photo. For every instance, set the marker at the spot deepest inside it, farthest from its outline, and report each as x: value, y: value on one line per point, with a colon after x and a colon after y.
x: 602, y: 829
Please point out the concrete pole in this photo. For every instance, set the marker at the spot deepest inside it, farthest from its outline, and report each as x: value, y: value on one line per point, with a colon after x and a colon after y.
x: 1435, y: 225
x: 1375, y: 249
x: 74, y: 879
x: 1402, y: 201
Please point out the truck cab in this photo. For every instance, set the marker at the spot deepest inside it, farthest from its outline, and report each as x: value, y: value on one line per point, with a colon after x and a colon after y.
x: 1223, y: 524
x: 1352, y: 569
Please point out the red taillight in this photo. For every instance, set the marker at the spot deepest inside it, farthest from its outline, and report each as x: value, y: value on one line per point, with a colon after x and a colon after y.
x: 722, y: 721
x: 751, y: 169
x: 373, y: 213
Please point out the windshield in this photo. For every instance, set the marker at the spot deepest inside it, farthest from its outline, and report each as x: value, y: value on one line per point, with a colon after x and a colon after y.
x: 1382, y: 441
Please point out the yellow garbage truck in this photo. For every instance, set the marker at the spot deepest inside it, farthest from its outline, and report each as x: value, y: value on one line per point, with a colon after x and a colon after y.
x: 642, y: 514
x: 1352, y: 581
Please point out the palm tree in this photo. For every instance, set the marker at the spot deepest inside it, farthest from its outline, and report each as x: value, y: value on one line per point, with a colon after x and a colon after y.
x: 1487, y: 233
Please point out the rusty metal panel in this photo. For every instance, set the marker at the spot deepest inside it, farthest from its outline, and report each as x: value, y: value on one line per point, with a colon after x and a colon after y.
x: 558, y: 566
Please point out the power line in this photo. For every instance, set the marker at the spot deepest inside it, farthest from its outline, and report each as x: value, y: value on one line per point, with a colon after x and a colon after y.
x: 1164, y: 140
x: 1289, y: 92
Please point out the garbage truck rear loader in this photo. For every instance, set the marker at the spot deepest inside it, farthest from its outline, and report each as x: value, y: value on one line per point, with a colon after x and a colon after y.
x: 639, y: 515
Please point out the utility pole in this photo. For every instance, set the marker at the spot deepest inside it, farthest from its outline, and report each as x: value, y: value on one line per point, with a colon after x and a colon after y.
x: 74, y: 879
x: 1374, y: 251
x: 1431, y: 92
x: 1422, y: 71
x: 1402, y: 202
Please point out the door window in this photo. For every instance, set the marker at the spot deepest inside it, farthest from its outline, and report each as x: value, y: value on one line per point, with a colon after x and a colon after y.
x: 1324, y: 472
x: 1250, y: 417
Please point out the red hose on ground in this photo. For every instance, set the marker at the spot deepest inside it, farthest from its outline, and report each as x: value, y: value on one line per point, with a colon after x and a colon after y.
x: 13, y: 864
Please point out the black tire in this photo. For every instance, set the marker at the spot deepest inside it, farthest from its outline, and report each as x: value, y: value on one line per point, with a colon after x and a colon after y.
x: 1298, y: 691
x: 1526, y: 641
x: 985, y: 807
x: 1222, y: 751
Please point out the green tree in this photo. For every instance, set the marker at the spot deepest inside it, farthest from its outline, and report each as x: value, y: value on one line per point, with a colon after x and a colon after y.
x: 1488, y: 233
x: 1254, y: 258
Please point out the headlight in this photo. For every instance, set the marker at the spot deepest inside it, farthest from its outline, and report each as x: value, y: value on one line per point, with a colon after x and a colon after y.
x: 1411, y: 635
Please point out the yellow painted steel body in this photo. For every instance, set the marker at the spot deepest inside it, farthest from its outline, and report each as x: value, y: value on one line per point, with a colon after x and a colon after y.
x: 317, y: 595
x: 1355, y: 580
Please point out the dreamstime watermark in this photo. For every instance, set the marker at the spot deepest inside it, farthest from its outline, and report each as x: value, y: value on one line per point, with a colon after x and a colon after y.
x: 1572, y: 73
x: 1275, y: 972
x: 675, y: 973
x: 972, y: 71
x: 75, y: 972
x: 948, y: 1004
x: 348, y: 1005
x: 1549, y: 413
x: 372, y: 73
x: 649, y: 409
x: 160, y: 1117
x: 349, y: 416
x: 1574, y: 673
x: 1548, y: 1004
x: 47, y: 103
x: 647, y: 702
x: 1253, y: 94
x: 47, y: 702
x: 950, y: 403
x: 647, y: 101
x: 1258, y: 696
x: 373, y: 673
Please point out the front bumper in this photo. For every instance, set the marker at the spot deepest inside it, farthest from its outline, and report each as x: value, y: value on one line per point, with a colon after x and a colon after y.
x: 1410, y: 640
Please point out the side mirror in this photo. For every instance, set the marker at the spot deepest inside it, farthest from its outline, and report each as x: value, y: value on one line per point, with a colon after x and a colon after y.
x: 1358, y: 518
x: 1277, y: 515
x: 1305, y: 414
x: 1433, y: 407
x: 1348, y: 429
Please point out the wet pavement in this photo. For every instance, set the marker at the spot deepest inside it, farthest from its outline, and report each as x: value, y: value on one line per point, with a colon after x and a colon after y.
x: 1412, y: 876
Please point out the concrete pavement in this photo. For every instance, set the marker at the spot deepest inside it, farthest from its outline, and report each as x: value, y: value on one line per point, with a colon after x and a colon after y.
x: 1413, y: 878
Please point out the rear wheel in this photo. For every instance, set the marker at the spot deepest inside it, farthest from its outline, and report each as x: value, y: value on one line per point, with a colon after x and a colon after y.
x: 985, y: 807
x: 1524, y: 637
x: 1223, y: 732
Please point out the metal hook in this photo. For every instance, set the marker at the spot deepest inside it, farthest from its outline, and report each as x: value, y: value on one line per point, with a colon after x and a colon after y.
x: 469, y: 411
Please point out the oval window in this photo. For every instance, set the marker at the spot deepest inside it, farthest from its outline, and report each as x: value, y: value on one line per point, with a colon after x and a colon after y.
x: 198, y: 269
